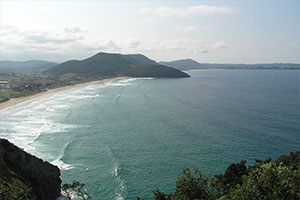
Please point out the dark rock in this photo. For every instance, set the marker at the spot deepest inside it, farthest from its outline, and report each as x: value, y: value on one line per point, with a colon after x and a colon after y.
x: 42, y: 177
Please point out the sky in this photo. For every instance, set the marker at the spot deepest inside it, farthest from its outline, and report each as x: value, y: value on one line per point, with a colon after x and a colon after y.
x: 208, y: 31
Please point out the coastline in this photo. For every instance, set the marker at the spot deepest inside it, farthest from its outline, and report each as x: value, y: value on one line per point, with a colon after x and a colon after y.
x: 15, y: 101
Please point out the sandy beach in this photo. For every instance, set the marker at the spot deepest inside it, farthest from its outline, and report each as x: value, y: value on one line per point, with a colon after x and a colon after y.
x: 15, y: 101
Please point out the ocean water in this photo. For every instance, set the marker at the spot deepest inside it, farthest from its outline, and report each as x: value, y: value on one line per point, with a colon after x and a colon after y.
x: 125, y: 138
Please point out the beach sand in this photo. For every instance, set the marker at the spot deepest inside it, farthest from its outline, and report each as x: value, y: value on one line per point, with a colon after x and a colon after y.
x: 15, y: 101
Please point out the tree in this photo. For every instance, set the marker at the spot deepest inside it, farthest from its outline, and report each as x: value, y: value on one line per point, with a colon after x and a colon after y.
x: 232, y: 176
x: 190, y: 186
x: 270, y: 181
x: 267, y: 179
x: 292, y: 160
x: 77, y: 188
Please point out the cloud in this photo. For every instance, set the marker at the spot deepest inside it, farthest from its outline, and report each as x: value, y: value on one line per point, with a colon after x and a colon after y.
x: 253, y: 54
x: 14, y: 34
x: 6, y: 29
x: 16, y: 40
x: 220, y: 45
x: 188, y: 28
x: 111, y: 45
x: 133, y: 43
x: 99, y: 45
x: 180, y: 44
x: 145, y: 10
x: 126, y: 46
x: 294, y: 45
x: 200, y: 51
x: 75, y: 29
x: 74, y: 42
x: 65, y: 35
x: 43, y: 37
x: 199, y: 10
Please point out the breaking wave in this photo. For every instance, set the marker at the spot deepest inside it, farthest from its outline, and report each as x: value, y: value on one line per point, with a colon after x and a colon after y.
x: 121, y: 189
x: 59, y: 162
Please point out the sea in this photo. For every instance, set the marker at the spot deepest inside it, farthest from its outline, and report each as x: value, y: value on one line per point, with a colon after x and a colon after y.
x: 125, y: 138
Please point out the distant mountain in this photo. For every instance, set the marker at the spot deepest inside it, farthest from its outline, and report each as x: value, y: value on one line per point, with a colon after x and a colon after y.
x: 158, y: 71
x: 139, y: 59
x: 182, y: 64
x: 113, y: 65
x: 35, y: 65
x: 249, y: 66
x: 187, y: 64
x: 27, y: 64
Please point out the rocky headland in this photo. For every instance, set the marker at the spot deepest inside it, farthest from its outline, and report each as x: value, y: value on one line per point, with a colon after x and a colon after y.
x: 24, y: 176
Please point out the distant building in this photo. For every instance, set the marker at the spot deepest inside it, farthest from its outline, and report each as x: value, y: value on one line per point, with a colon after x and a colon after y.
x: 4, y: 85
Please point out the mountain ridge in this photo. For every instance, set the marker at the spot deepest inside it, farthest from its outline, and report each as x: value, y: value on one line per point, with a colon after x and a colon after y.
x: 187, y: 64
x: 114, y: 64
x: 34, y: 65
x: 181, y: 63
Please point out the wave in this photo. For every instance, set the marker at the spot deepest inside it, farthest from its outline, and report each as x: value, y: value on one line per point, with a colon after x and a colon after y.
x: 61, y: 165
x: 26, y: 126
x: 123, y: 82
x: 134, y: 79
x: 74, y: 97
x: 113, y: 84
x: 121, y: 190
x: 117, y: 98
x: 59, y: 162
x: 91, y: 87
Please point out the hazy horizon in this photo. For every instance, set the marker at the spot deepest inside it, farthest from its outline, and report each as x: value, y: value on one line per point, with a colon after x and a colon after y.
x: 206, y: 31
x: 24, y: 60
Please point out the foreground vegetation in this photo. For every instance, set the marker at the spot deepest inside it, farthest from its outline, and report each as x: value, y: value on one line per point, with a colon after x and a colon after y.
x: 75, y: 189
x: 12, y: 187
x: 26, y: 177
x: 267, y: 179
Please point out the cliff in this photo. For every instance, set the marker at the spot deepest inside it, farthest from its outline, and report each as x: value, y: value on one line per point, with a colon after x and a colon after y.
x: 24, y: 176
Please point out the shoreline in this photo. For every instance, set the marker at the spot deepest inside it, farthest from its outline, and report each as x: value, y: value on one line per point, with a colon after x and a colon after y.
x: 15, y: 101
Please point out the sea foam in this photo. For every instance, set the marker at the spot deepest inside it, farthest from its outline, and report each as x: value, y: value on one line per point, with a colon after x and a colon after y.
x: 121, y: 190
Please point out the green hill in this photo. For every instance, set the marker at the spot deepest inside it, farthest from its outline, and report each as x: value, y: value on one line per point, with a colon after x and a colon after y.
x: 182, y: 64
x: 113, y: 65
x: 158, y: 71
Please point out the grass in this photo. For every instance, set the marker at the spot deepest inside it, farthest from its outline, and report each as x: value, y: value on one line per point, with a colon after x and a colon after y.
x: 8, y: 94
x: 15, y: 78
x: 67, y: 76
x: 11, y: 187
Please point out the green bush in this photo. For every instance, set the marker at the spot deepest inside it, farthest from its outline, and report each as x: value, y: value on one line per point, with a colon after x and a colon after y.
x: 270, y: 181
x: 76, y: 188
x: 264, y: 180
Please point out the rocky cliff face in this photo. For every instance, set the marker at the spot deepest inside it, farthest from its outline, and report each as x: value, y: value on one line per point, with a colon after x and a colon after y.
x: 24, y: 176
